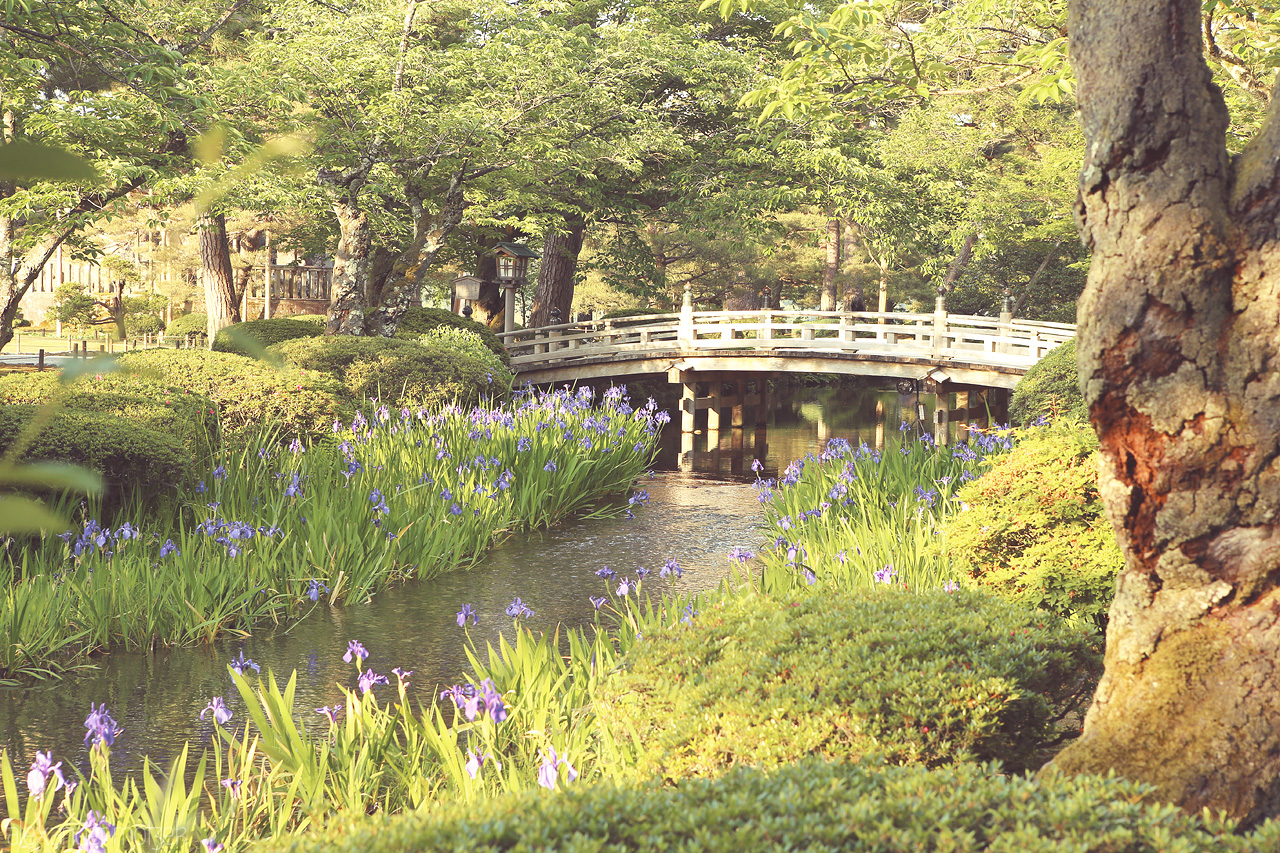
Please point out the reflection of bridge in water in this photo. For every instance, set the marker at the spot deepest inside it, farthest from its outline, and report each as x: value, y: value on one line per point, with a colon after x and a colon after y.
x: 721, y: 359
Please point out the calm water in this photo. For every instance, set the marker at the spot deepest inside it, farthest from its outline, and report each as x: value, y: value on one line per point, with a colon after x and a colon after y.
x: 695, y: 516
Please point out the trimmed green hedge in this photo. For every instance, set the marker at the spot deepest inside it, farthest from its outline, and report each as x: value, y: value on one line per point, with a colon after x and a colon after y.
x: 129, y: 457
x: 264, y: 333
x: 400, y: 371
x: 1051, y: 388
x: 1034, y: 529
x: 812, y: 806
x: 150, y: 403
x: 417, y: 320
x: 249, y: 394
x: 187, y: 324
x: 920, y: 678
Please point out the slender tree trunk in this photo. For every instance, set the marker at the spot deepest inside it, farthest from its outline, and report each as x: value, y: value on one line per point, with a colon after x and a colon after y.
x: 216, y: 274
x: 1177, y: 352
x: 556, y: 275
x: 883, y: 264
x: 1026, y: 291
x: 960, y: 262
x: 831, y: 269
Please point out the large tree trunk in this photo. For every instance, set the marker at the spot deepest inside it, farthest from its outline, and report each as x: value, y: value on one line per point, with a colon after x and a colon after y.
x: 556, y: 275
x: 1178, y: 350
x: 349, y: 291
x: 216, y: 274
x: 831, y: 268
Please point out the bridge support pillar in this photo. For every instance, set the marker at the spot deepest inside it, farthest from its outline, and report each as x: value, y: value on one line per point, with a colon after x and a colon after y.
x: 942, y: 415
x: 880, y: 425
x: 714, y: 386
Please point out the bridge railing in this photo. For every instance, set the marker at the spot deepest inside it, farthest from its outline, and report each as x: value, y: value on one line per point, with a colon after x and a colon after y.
x: 938, y: 335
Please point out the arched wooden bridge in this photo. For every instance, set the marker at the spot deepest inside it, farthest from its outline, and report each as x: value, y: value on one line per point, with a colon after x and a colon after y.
x: 988, y: 352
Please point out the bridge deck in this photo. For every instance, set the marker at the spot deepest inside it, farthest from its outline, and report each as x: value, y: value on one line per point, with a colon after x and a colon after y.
x: 970, y: 350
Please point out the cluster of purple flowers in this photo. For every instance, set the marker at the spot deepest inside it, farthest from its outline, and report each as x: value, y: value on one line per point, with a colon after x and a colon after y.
x: 233, y: 534
x: 474, y: 702
x: 97, y: 539
x: 100, y: 727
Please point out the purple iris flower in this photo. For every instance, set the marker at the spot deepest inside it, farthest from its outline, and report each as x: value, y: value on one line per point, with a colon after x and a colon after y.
x: 357, y: 650
x: 671, y: 567
x: 597, y: 602
x: 93, y: 836
x: 606, y: 573
x: 885, y: 575
x: 221, y: 713
x: 41, y: 769
x: 233, y: 786
x: 242, y: 663
x: 101, y: 728
x: 548, y: 773
x: 950, y: 586
x: 220, y: 473
x: 211, y: 844
x: 331, y: 713
x: 493, y: 705
x: 294, y: 489
x: 468, y: 612
x: 477, y: 760
x: 550, y: 466
x: 624, y: 587
x: 689, y: 613
x: 369, y: 678
x: 315, y: 588
x: 738, y: 554
x: 169, y: 548
x: 402, y: 676
x: 517, y: 609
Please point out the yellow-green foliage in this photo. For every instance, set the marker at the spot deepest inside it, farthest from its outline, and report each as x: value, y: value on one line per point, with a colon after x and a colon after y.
x: 241, y: 337
x: 1034, y: 530
x: 813, y: 806
x: 400, y: 371
x: 249, y: 394
x: 128, y: 456
x: 156, y: 405
x: 911, y: 678
x: 187, y: 324
x: 417, y: 320
x: 1051, y: 388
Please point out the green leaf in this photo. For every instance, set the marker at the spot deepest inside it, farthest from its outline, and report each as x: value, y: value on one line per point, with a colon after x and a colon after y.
x: 54, y: 475
x: 22, y: 160
x: 22, y: 515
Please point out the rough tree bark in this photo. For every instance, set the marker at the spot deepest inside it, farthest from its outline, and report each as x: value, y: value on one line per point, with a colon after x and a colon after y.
x: 560, y: 253
x: 216, y: 276
x: 827, y: 301
x: 1178, y: 352
x: 349, y: 290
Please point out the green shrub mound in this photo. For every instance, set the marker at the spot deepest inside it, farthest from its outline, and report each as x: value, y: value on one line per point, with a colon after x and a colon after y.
x: 146, y: 325
x: 1034, y: 530
x: 156, y: 405
x: 318, y: 319
x: 187, y: 324
x: 131, y: 458
x: 813, y: 806
x: 248, y: 394
x: 250, y: 337
x: 920, y: 678
x: 417, y: 321
x: 1051, y: 388
x: 400, y: 371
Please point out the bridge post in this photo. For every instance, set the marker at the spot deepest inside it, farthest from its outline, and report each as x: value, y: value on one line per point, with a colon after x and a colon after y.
x: 939, y: 323
x: 713, y: 412
x: 686, y: 335
x: 879, y: 424
x: 942, y: 415
x: 1005, y: 327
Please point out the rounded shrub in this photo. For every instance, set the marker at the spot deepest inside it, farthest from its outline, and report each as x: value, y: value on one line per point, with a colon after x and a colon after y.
x: 911, y: 678
x: 318, y: 319
x: 148, y: 324
x: 1033, y: 528
x: 403, y: 372
x: 812, y: 806
x: 1051, y: 388
x: 249, y: 394
x: 417, y: 321
x: 241, y: 337
x: 144, y: 400
x: 131, y: 458
x: 187, y: 324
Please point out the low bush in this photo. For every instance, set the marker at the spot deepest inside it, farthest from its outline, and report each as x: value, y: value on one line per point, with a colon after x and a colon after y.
x: 131, y: 458
x: 146, y: 325
x: 149, y: 402
x: 1034, y: 529
x: 417, y: 321
x: 1051, y: 388
x: 239, y: 338
x: 318, y: 319
x: 913, y: 678
x: 401, y: 371
x: 809, y: 806
x: 249, y: 394
x: 187, y: 324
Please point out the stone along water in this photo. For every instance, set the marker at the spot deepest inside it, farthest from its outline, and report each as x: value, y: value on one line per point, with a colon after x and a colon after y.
x: 694, y: 517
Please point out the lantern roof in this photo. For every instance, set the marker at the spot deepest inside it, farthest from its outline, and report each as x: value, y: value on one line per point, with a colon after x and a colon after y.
x: 515, y: 250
